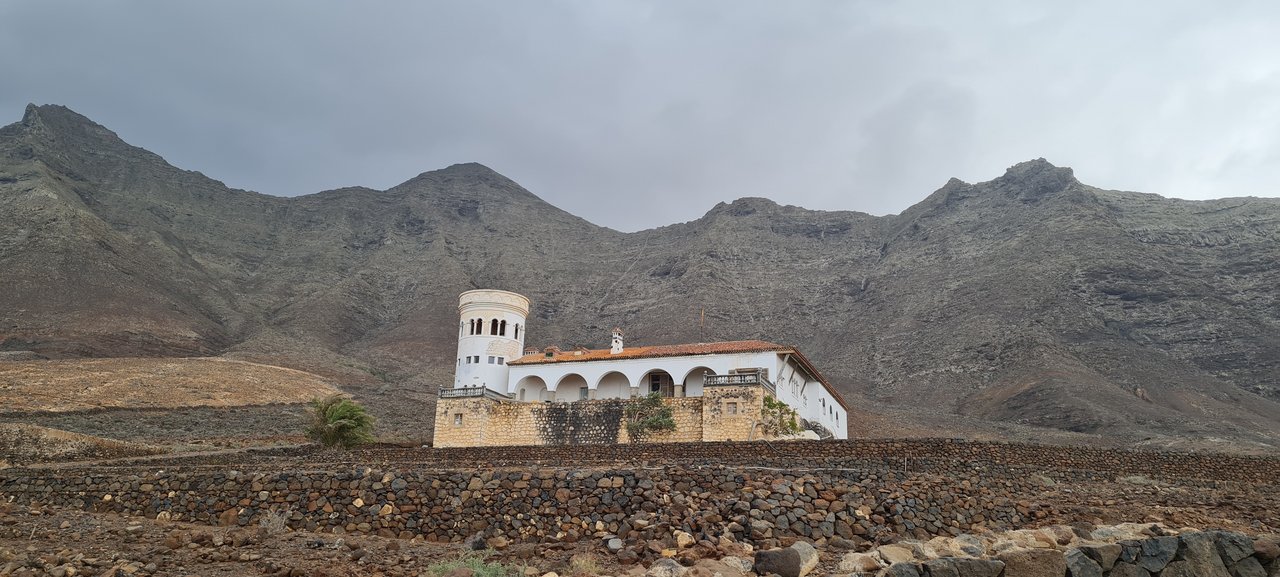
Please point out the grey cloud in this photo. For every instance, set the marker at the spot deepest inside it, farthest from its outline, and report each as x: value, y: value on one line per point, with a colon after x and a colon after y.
x: 639, y: 114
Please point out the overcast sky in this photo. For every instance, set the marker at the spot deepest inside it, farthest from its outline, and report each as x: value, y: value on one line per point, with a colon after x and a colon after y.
x: 640, y: 114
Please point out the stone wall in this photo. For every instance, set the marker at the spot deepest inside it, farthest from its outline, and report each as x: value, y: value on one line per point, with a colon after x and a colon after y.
x: 872, y: 489
x: 722, y: 413
x: 553, y: 503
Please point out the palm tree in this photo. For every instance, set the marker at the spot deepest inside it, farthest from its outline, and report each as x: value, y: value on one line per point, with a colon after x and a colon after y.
x: 339, y: 421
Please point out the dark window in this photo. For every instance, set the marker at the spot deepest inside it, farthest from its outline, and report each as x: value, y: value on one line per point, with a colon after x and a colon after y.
x: 517, y: 332
x: 502, y: 360
x: 502, y: 328
x: 493, y: 327
x: 492, y: 360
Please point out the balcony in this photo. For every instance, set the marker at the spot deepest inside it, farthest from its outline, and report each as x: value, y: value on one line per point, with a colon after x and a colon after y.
x: 473, y: 392
x: 741, y: 379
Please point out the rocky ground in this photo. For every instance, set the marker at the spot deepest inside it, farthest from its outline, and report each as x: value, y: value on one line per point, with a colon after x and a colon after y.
x: 39, y: 541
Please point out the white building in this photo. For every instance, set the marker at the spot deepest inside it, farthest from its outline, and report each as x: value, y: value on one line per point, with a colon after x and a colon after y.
x: 492, y: 333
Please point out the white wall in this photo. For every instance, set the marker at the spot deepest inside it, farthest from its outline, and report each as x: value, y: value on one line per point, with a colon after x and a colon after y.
x: 474, y: 350
x: 612, y: 379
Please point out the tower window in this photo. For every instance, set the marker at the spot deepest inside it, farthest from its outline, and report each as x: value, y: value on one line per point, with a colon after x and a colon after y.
x: 502, y: 328
x: 517, y: 332
x: 493, y: 327
x: 457, y: 419
x: 731, y: 408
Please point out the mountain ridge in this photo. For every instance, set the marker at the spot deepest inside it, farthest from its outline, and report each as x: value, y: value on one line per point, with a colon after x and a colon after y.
x: 1031, y: 300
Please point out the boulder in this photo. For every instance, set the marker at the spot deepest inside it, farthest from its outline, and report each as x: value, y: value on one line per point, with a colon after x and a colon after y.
x: 1104, y: 555
x: 903, y: 570
x: 1158, y: 552
x: 1034, y: 563
x: 896, y: 553
x: 962, y: 567
x: 808, y: 556
x: 1233, y: 546
x: 1128, y: 570
x: 1199, y: 553
x: 1247, y: 567
x: 1267, y: 548
x: 666, y: 567
x: 784, y: 562
x: 1081, y: 565
x: 859, y: 563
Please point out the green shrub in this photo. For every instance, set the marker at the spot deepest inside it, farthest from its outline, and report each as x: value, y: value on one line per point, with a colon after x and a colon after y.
x: 475, y: 561
x: 337, y: 421
x: 777, y: 418
x: 646, y: 416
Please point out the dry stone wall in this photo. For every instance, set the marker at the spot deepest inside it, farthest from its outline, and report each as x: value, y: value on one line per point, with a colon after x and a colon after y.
x: 752, y: 505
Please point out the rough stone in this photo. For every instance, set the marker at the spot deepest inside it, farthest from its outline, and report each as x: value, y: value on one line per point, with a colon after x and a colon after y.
x: 859, y: 563
x: 666, y: 567
x: 1233, y: 546
x: 1034, y: 563
x: 1248, y: 567
x: 1104, y: 555
x: 1158, y: 552
x: 1081, y: 565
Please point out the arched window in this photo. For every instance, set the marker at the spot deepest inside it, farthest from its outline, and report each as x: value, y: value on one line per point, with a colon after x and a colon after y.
x: 502, y: 328
x: 493, y: 328
x: 517, y: 332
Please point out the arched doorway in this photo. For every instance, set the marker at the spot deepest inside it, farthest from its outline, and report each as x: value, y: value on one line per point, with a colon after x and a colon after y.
x: 613, y: 385
x: 531, y: 389
x: 572, y: 387
x: 694, y: 379
x: 657, y: 381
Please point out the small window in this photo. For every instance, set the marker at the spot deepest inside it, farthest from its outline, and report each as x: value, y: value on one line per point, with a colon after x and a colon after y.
x: 502, y: 360
x: 493, y: 327
x: 731, y: 408
x: 502, y: 328
x: 517, y: 332
x: 457, y: 419
x: 493, y: 360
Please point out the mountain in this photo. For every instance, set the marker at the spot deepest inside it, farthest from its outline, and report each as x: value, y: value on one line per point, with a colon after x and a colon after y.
x: 1031, y: 304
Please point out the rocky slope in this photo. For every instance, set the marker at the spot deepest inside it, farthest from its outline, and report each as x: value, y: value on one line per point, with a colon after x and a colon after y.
x: 1031, y: 302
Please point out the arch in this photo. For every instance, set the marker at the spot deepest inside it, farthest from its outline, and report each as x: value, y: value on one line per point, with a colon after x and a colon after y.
x: 613, y: 385
x: 532, y: 389
x: 502, y: 328
x: 657, y: 381
x: 694, y: 379
x: 493, y: 327
x: 570, y: 388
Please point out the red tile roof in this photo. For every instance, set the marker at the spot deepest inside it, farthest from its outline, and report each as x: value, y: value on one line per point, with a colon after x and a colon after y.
x: 657, y: 351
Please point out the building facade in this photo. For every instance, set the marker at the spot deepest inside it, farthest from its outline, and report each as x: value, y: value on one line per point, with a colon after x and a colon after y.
x: 555, y: 396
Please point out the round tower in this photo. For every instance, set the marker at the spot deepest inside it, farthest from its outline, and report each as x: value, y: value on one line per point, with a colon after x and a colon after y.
x: 490, y: 333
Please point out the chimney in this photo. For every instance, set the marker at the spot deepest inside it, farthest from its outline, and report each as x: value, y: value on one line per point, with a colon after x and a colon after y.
x: 615, y: 346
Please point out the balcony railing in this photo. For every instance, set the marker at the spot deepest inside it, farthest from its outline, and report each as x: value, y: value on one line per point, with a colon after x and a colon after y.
x: 739, y: 379
x: 473, y: 392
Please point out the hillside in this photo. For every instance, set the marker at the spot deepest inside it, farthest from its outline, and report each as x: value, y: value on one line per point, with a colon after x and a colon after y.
x: 1031, y: 302
x: 151, y: 383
